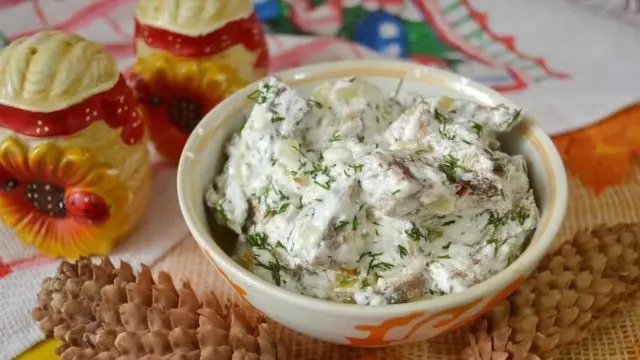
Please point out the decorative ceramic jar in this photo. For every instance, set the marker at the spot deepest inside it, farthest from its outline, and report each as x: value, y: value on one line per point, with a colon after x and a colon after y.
x: 74, y: 165
x: 191, y: 55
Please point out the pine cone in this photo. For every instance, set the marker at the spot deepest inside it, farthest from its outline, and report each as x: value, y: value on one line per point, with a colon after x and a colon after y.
x: 107, y: 313
x: 584, y: 283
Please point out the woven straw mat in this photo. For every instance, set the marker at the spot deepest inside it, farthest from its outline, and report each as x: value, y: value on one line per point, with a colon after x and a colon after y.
x: 618, y: 340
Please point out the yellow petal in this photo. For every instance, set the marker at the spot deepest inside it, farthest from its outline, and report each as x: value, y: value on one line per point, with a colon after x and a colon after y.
x: 13, y: 156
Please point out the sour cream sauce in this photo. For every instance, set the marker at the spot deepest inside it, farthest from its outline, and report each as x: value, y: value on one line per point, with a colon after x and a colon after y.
x: 353, y: 196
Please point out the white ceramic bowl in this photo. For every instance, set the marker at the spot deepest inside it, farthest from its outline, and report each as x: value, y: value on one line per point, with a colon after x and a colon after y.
x: 357, y: 325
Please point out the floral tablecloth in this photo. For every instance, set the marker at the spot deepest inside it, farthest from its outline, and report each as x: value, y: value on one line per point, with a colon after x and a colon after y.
x: 569, y: 63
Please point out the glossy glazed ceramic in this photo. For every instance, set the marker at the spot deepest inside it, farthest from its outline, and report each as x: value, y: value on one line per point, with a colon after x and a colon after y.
x: 75, y: 174
x: 190, y: 56
x: 362, y: 325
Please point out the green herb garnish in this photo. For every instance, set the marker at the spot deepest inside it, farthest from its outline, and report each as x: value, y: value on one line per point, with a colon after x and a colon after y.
x: 521, y: 215
x: 259, y: 95
x: 495, y: 243
x: 368, y: 253
x: 403, y: 251
x: 514, y: 118
x: 283, y: 208
x: 282, y: 195
x: 447, y: 223
x: 415, y: 233
x: 374, y: 266
x: 435, y: 233
x: 325, y: 185
x: 445, y: 134
x: 440, y: 117
x: 274, y: 267
x: 437, y: 292
x: 341, y: 225
x: 258, y: 240
x: 398, y: 88
x: 495, y: 219
x: 357, y: 168
x: 336, y: 136
x: 445, y: 256
x: 370, y: 217
x: 395, y: 192
x: 276, y: 118
x: 478, y: 128
x: 256, y: 97
x: 321, y: 170
x: 222, y: 214
x: 355, y: 223
x: 449, y: 166
x: 298, y: 150
x: 316, y: 103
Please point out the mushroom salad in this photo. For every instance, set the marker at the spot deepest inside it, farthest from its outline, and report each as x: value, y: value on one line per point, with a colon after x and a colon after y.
x: 354, y: 196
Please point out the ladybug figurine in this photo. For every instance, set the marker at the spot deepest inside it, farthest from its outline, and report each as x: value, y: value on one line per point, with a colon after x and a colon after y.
x: 75, y: 174
x: 86, y: 207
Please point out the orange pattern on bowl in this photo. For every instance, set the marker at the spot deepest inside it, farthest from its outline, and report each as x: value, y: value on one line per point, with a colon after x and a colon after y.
x: 377, y: 333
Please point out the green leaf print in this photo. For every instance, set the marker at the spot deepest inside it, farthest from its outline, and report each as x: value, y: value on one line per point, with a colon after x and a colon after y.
x: 317, y: 2
x: 351, y: 17
x: 282, y: 24
x: 424, y: 40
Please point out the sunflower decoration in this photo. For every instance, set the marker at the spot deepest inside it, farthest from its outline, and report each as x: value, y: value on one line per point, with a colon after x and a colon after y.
x: 177, y: 93
x: 60, y: 199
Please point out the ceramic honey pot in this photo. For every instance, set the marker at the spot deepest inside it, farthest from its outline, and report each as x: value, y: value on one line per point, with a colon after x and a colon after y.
x: 191, y: 54
x: 74, y: 165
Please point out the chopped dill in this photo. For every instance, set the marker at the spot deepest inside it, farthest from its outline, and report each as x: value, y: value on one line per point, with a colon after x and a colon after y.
x: 403, y: 251
x: 415, y: 233
x: 355, y: 223
x: 274, y: 267
x: 325, y: 185
x: 521, y: 215
x: 515, y: 118
x: 315, y: 103
x: 222, y: 214
x: 283, y: 208
x: 298, y: 150
x: 276, y: 118
x: 446, y: 134
x: 440, y: 117
x: 371, y: 217
x: 341, y: 225
x: 279, y: 244
x: 258, y: 240
x: 449, y: 166
x: 478, y: 128
x: 398, y: 89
